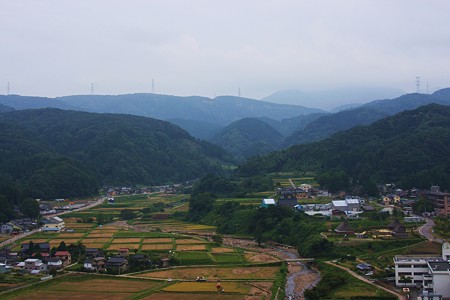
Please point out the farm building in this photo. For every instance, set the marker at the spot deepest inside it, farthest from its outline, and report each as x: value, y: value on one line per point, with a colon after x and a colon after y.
x: 267, y: 202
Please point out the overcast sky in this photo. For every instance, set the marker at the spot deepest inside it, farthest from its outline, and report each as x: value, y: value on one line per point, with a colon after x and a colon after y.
x: 208, y: 48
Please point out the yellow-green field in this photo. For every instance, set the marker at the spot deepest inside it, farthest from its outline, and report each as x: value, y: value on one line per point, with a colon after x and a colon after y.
x: 216, y: 273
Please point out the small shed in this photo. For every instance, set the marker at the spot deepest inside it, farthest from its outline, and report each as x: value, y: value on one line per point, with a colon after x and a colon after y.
x: 267, y: 202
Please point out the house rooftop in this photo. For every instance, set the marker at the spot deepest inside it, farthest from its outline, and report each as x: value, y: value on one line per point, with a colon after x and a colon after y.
x: 61, y: 253
x: 412, y: 258
x: 439, y: 266
x: 116, y: 259
x: 269, y: 201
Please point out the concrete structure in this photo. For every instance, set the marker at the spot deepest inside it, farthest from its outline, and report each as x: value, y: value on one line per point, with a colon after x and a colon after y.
x: 33, y: 264
x: 432, y: 274
x: 441, y: 202
x: 349, y: 205
x: 55, y: 224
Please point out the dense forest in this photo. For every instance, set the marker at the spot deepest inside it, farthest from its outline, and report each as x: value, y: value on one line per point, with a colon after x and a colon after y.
x: 248, y: 137
x: 409, y: 149
x: 50, y: 153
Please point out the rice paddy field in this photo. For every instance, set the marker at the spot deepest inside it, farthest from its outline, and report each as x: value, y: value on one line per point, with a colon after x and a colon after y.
x: 216, y: 273
x: 99, y: 287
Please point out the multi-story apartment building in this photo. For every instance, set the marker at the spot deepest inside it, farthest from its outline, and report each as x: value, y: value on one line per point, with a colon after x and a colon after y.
x: 431, y: 274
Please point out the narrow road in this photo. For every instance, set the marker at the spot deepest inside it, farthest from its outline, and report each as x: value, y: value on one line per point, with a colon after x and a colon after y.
x: 399, y: 296
x: 292, y: 183
x: 426, y: 231
x: 22, y: 235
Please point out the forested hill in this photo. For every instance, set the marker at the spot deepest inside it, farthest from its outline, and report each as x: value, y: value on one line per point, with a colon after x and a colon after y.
x: 5, y: 108
x: 327, y: 125
x: 248, y: 137
x: 410, y: 148
x: 108, y: 148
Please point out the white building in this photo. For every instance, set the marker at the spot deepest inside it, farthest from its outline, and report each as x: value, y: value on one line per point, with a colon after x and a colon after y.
x: 347, y: 205
x: 432, y: 274
x: 54, y: 224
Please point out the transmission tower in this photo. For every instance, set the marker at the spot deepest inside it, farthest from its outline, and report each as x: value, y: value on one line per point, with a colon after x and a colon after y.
x: 239, y: 91
x: 8, y: 92
x: 417, y: 84
x: 92, y: 88
x: 153, y: 85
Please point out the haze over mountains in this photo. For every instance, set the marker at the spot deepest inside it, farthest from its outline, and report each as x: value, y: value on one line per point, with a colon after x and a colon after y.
x: 333, y: 99
x: 222, y: 120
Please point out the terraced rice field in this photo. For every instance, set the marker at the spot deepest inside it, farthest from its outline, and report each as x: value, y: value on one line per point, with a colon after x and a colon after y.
x: 119, y: 246
x: 157, y: 240
x: 189, y: 241
x: 92, y: 288
x: 126, y: 240
x: 221, y: 250
x: 150, y: 247
x: 216, y: 273
x: 229, y: 287
x: 191, y: 296
x: 191, y: 248
x: 71, y: 235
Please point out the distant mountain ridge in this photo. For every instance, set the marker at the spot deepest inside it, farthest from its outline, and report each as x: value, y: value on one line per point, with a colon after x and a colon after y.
x: 221, y: 110
x: 409, y: 149
x: 366, y: 114
x: 330, y: 99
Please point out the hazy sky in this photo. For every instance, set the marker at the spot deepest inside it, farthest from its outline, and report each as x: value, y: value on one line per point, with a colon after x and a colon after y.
x: 208, y: 48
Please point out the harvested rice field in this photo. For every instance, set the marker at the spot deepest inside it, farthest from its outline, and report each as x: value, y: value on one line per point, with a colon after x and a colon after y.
x: 191, y: 248
x: 119, y: 246
x: 157, y: 240
x: 96, y: 240
x: 221, y: 250
x: 216, y: 273
x: 71, y: 235
x: 190, y: 241
x: 126, y: 240
x: 191, y: 296
x: 156, y: 247
x: 92, y: 288
x: 229, y: 287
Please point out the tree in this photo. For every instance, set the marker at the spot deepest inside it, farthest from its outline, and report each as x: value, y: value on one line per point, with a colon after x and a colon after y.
x: 127, y: 214
x: 30, y: 208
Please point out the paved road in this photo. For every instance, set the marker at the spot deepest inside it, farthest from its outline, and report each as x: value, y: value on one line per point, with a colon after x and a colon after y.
x: 22, y: 235
x: 399, y: 296
x: 426, y: 231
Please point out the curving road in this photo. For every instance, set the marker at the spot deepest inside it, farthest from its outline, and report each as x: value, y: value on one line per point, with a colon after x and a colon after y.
x: 426, y: 231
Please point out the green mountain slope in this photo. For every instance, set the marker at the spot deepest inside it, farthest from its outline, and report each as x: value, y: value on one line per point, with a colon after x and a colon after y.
x: 325, y: 126
x: 29, y: 168
x: 409, y: 148
x: 118, y: 149
x: 248, y: 137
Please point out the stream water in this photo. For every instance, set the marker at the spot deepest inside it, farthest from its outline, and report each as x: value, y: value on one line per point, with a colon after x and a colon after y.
x: 293, y: 293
